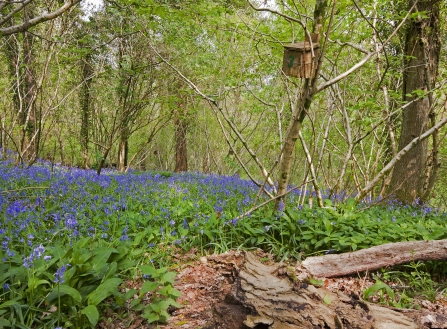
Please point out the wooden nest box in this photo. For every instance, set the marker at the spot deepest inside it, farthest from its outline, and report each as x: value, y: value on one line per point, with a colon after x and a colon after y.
x: 300, y: 59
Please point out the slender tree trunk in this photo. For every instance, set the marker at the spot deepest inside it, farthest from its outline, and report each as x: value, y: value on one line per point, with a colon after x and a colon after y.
x: 422, y: 49
x: 181, y: 152
x: 86, y: 103
x: 123, y: 152
x: 29, y: 118
x: 299, y: 112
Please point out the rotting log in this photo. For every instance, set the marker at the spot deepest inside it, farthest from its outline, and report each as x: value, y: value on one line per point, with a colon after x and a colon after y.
x: 374, y: 258
x: 278, y: 300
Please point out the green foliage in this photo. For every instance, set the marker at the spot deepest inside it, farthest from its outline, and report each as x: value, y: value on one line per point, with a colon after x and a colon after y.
x: 415, y: 282
x: 162, y: 294
x: 43, y: 295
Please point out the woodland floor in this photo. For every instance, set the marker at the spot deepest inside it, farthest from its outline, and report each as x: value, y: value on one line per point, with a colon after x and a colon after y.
x: 206, y: 281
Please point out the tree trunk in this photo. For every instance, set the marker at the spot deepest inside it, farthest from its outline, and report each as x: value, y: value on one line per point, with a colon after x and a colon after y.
x: 181, y: 151
x: 123, y: 152
x: 421, y: 58
x: 86, y: 103
x: 28, y: 115
x: 278, y: 300
x: 300, y: 110
x: 374, y: 258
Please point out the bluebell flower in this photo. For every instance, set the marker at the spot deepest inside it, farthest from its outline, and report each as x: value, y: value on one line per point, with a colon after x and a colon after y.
x: 58, y: 276
x: 6, y: 287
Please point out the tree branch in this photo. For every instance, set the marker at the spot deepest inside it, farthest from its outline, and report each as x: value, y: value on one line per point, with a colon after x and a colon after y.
x: 39, y: 19
x: 398, y: 156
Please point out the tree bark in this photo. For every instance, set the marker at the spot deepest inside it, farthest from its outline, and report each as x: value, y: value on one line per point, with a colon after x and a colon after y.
x: 421, y: 58
x: 278, y: 300
x: 28, y: 113
x: 181, y: 150
x: 28, y: 23
x: 374, y: 258
x: 300, y: 110
x: 86, y: 102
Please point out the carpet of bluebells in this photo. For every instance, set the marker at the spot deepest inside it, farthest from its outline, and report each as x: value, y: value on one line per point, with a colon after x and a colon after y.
x: 66, y: 224
x: 45, y: 203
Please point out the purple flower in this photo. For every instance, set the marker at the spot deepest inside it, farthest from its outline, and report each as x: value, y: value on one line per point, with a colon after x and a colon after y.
x: 58, y: 276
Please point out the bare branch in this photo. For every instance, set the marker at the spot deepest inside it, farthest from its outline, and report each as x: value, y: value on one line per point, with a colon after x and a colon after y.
x: 289, y: 18
x: 366, y: 58
x: 398, y: 156
x: 39, y: 19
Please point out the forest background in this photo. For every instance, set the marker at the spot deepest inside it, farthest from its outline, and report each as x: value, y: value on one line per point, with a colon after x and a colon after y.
x: 198, y: 86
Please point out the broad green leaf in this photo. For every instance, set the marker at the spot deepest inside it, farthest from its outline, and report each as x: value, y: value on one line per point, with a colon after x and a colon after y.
x: 148, y: 286
x: 129, y: 294
x: 111, y: 270
x: 148, y: 270
x: 379, y: 285
x: 103, y: 291
x: 64, y: 290
x: 100, y: 259
x: 168, y: 277
x: 4, y: 323
x: 92, y: 314
x: 327, y: 300
x: 151, y: 316
x: 10, y: 302
x: 33, y: 282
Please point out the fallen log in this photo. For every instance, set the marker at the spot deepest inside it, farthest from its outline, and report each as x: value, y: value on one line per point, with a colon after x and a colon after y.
x: 278, y: 300
x: 374, y: 258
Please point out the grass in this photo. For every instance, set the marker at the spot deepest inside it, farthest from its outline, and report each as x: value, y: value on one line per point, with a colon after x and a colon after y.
x: 70, y: 237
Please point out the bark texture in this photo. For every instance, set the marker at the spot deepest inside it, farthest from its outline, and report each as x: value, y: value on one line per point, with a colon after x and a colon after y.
x: 181, y: 150
x: 300, y: 110
x: 375, y: 258
x: 86, y: 104
x: 278, y: 300
x: 422, y: 49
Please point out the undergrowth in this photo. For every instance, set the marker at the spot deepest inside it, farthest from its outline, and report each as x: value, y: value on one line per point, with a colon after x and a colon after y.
x: 70, y: 238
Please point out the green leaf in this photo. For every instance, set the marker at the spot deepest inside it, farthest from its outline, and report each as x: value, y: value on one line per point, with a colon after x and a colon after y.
x: 148, y: 286
x: 111, y: 270
x: 34, y: 282
x: 327, y: 300
x: 379, y: 285
x: 316, y: 282
x: 104, y: 290
x: 168, y: 277
x: 4, y: 323
x: 10, y: 302
x: 64, y: 290
x: 129, y: 294
x: 92, y: 314
x: 100, y: 259
x: 151, y: 316
x: 148, y: 270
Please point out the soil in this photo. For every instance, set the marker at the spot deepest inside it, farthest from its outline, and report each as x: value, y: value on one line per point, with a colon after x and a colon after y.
x: 206, y: 282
